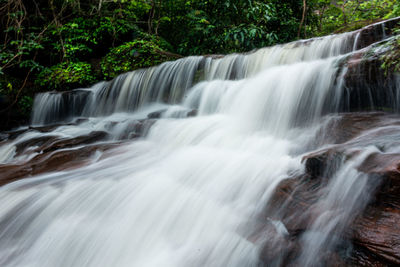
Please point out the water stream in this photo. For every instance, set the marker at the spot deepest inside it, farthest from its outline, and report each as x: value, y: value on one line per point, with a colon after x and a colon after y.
x: 189, y: 192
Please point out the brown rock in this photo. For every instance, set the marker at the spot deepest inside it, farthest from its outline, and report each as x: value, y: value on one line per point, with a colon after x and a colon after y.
x: 51, y: 161
x: 377, y: 232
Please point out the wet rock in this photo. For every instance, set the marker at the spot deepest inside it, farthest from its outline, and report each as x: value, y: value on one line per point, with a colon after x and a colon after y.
x: 131, y: 130
x: 133, y: 136
x: 292, y: 203
x: 192, y: 113
x: 333, y: 259
x: 350, y: 125
x: 278, y: 249
x: 373, y: 238
x: 344, y: 127
x: 315, y: 164
x: 377, y: 237
x: 376, y: 233
x: 3, y: 137
x: 387, y: 165
x: 375, y: 32
x: 385, y: 168
x: 156, y: 114
x: 322, y: 163
x: 362, y: 257
x: 38, y: 141
x: 12, y: 134
x: 51, y: 161
x: 48, y: 143
x: 93, y: 137
x: 46, y: 128
x: 51, y: 127
x: 367, y: 87
x: 144, y: 126
x: 53, y: 154
x: 136, y: 129
x: 15, y: 133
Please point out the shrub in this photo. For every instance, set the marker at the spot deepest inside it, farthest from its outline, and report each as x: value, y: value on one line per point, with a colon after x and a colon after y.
x: 131, y: 56
x: 25, y: 105
x: 66, y: 75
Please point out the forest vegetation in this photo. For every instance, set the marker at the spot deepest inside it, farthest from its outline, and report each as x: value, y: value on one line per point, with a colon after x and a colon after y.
x: 64, y: 44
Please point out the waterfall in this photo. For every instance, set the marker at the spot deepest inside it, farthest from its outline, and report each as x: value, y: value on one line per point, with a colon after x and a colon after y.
x: 192, y: 190
x: 171, y: 81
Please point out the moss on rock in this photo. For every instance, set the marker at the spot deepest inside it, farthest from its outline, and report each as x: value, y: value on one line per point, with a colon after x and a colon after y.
x: 131, y: 56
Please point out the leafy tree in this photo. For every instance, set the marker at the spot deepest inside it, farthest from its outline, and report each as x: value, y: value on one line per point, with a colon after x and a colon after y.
x: 347, y: 15
x: 227, y: 26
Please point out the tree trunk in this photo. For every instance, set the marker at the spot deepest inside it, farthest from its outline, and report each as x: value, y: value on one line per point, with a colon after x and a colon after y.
x: 302, y: 18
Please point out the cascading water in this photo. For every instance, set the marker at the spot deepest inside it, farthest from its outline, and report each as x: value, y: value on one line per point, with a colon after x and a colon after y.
x: 191, y: 192
x: 171, y: 81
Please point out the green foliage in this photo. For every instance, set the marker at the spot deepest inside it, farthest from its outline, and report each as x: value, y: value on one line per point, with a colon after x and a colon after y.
x: 20, y: 53
x: 201, y: 27
x: 79, y: 37
x: 157, y: 40
x: 373, y: 9
x: 67, y: 75
x: 391, y: 58
x: 348, y: 15
x: 133, y: 9
x: 9, y: 85
x: 130, y: 56
x: 25, y: 105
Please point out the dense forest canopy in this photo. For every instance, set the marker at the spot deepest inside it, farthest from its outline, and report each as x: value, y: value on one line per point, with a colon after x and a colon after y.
x: 64, y: 44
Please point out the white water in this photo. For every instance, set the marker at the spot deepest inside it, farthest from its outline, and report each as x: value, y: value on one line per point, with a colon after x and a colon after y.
x: 190, y: 192
x: 171, y: 81
x: 346, y: 194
